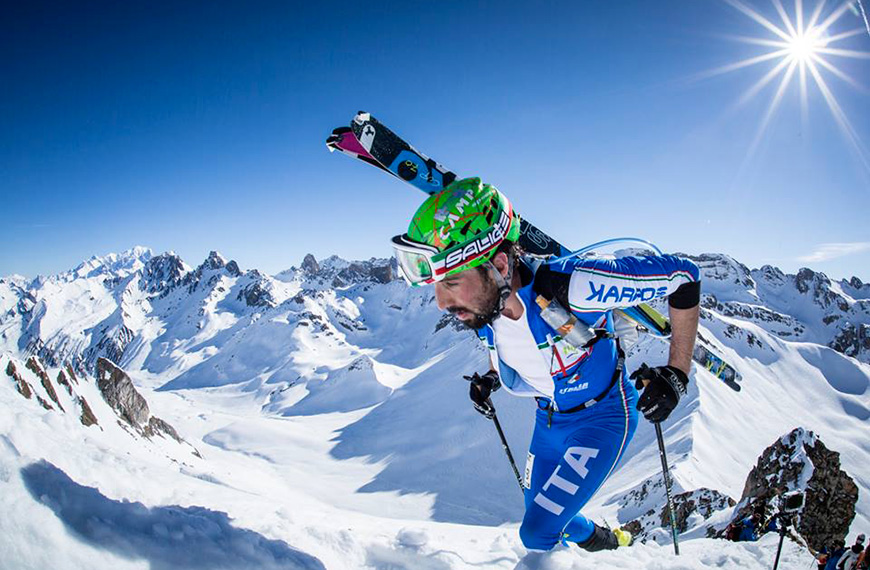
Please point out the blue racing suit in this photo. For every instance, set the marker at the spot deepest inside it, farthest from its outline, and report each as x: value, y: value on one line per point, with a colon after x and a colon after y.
x: 583, y: 427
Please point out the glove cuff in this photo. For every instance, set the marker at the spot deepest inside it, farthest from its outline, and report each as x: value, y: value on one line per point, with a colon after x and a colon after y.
x: 677, y: 379
x: 492, y: 378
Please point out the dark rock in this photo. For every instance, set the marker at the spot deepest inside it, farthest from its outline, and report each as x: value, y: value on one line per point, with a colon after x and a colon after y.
x: 382, y: 274
x: 120, y: 394
x: 214, y: 261
x: 309, y: 265
x: 71, y: 373
x: 852, y: 340
x: 23, y: 387
x: 87, y: 418
x: 162, y: 274
x: 62, y: 380
x: 156, y: 426
x: 233, y: 269
x: 256, y: 296
x: 33, y: 365
x: 830, y: 493
x: 112, y: 344
x: 704, y: 502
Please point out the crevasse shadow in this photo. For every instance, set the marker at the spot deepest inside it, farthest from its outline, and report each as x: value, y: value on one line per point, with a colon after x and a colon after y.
x: 169, y: 537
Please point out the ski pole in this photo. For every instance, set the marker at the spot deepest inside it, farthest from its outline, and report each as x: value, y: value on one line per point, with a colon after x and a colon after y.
x: 667, y: 475
x: 504, y: 445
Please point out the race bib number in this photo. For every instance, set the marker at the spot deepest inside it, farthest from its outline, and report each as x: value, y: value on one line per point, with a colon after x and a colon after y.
x: 527, y: 476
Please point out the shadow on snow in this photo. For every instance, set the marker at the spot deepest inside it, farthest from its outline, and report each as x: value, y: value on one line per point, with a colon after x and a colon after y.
x: 169, y: 537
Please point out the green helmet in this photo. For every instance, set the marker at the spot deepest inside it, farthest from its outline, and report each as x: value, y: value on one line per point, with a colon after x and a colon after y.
x: 454, y: 230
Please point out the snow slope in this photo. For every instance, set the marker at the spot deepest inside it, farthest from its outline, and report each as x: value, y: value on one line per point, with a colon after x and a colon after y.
x: 329, y: 409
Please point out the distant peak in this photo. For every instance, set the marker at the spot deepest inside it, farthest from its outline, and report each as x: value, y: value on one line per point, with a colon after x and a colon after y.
x: 125, y: 262
x: 309, y: 264
x: 214, y: 261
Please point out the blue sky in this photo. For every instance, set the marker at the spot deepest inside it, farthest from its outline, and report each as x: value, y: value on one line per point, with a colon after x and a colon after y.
x: 191, y: 127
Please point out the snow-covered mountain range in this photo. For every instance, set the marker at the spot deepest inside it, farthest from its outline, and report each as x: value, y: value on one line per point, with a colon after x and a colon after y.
x: 328, y: 411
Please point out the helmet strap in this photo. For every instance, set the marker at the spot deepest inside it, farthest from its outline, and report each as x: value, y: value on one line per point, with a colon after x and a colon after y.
x: 504, y: 286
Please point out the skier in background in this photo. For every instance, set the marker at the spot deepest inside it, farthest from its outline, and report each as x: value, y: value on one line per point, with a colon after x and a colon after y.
x: 864, y: 559
x: 550, y: 334
x: 837, y: 552
x: 821, y: 557
x: 849, y: 561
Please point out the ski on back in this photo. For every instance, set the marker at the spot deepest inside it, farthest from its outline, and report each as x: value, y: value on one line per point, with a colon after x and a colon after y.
x: 343, y: 140
x: 718, y: 367
x: 399, y: 157
x: 369, y: 140
x: 408, y: 164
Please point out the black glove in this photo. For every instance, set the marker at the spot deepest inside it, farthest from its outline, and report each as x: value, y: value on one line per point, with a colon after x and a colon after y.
x: 480, y: 390
x: 665, y: 385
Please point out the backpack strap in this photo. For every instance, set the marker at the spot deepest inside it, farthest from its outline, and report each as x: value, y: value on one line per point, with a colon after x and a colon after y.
x: 552, y: 285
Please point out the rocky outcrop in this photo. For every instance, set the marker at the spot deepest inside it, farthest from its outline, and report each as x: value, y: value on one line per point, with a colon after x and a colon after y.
x: 852, y: 340
x: 383, y: 273
x: 156, y: 426
x: 213, y: 261
x: 691, y: 507
x: 339, y: 273
x: 120, y: 394
x: 128, y: 403
x: 63, y: 381
x: 87, y: 417
x: 703, y: 502
x: 310, y: 265
x: 255, y: 295
x: 112, y: 344
x: 799, y: 461
x: 33, y: 365
x: 20, y: 383
x: 233, y: 268
x: 162, y: 274
x: 818, y: 286
x: 779, y: 324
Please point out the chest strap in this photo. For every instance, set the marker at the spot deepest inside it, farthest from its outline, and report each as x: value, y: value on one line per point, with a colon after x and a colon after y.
x: 547, y: 405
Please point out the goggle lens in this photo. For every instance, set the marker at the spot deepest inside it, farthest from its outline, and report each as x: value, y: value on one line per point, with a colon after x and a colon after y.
x: 415, y: 266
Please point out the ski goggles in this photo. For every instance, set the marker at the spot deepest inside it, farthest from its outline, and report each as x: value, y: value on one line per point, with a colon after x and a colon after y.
x: 422, y: 264
x: 417, y: 262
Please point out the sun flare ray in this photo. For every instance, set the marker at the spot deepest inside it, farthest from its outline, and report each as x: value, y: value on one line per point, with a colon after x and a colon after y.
x: 845, y: 52
x: 840, y: 117
x: 816, y: 13
x: 771, y: 110
x: 845, y: 35
x: 743, y: 63
x: 779, y: 8
x: 763, y: 82
x: 835, y: 15
x: 836, y: 71
x: 758, y: 18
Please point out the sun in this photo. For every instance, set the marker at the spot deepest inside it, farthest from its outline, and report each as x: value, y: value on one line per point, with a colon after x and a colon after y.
x: 804, y: 48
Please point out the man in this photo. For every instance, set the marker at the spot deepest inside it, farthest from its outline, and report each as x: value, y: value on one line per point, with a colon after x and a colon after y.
x: 850, y: 558
x: 550, y: 332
